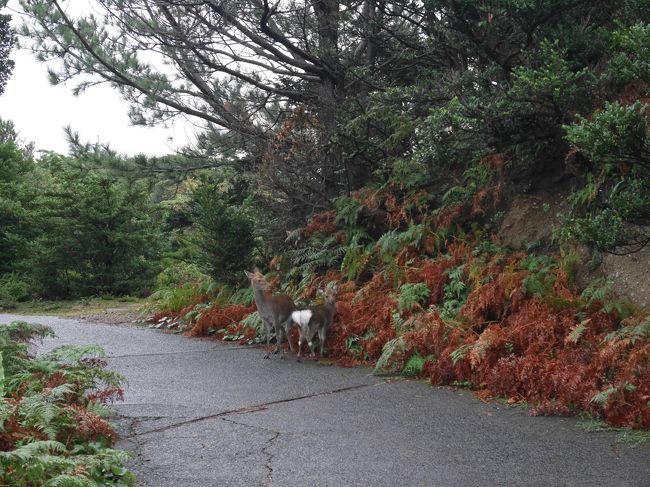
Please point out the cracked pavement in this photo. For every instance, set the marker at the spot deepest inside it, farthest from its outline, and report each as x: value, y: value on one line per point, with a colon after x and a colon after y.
x: 204, y: 413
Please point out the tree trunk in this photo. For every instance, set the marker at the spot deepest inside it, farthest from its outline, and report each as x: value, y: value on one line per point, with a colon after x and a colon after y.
x: 331, y: 83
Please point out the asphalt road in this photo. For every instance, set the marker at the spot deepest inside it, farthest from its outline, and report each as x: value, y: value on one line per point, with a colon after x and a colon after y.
x: 202, y: 413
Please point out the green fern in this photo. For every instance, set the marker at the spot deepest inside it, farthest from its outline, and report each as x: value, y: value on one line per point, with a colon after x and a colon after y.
x: 42, y: 411
x: 631, y: 332
x: 325, y: 254
x: 460, y: 353
x: 414, y: 235
x: 392, y: 242
x: 243, y: 296
x: 602, y: 398
x: 72, y: 354
x: 456, y: 292
x: 70, y: 481
x: 254, y: 321
x: 413, y: 296
x: 576, y: 332
x: 100, y: 409
x: 28, y: 451
x: 355, y: 260
x: 48, y: 412
x: 388, y: 245
x: 347, y: 211
x: 391, y: 347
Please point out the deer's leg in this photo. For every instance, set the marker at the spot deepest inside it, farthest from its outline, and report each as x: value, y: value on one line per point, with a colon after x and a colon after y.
x: 278, y: 337
x: 322, y: 333
x: 286, y: 335
x: 287, y: 329
x: 299, y: 343
x: 310, y: 341
x: 267, y: 325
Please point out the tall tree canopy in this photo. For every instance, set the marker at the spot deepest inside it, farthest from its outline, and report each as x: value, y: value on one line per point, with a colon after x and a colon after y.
x: 7, y: 41
x: 318, y: 98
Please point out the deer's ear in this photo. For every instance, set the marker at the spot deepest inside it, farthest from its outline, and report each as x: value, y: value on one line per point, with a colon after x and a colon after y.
x: 248, y: 274
x: 257, y: 270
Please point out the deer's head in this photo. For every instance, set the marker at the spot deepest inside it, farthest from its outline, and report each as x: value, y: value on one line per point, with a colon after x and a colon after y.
x: 258, y: 281
x: 329, y: 294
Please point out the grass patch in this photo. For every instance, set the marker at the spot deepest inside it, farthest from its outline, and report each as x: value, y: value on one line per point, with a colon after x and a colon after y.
x: 70, y: 308
x: 633, y: 438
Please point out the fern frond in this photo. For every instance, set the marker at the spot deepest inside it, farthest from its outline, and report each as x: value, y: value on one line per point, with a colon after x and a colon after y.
x: 243, y: 296
x: 65, y: 480
x: 602, y: 398
x: 74, y: 353
x: 459, y: 354
x: 631, y: 332
x: 355, y: 260
x: 318, y: 255
x: 576, y: 332
x: 392, y: 347
x: 25, y: 453
x: 254, y: 321
x: 412, y: 296
x: 100, y: 409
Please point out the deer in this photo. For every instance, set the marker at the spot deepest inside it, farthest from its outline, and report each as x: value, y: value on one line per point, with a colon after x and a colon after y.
x: 316, y: 319
x: 274, y: 310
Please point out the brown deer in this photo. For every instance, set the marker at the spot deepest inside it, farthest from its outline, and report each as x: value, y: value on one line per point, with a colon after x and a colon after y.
x: 275, y: 311
x: 316, y: 319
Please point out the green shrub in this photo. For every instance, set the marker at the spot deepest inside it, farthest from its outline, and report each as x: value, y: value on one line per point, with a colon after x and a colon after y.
x: 177, y: 298
x: 612, y: 211
x: 13, y: 289
x: 180, y: 274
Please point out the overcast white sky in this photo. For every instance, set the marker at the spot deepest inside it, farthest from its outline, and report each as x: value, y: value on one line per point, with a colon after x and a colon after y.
x: 40, y: 112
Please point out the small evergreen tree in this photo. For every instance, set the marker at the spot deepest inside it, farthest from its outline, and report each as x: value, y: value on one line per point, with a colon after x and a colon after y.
x: 225, y: 233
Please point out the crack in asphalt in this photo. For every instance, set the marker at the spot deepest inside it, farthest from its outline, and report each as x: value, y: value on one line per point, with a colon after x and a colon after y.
x: 268, y: 464
x: 251, y: 409
x: 269, y: 458
x: 183, y: 352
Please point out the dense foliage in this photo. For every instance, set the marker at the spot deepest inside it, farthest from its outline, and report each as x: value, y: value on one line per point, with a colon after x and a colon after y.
x: 53, y: 407
x: 72, y: 231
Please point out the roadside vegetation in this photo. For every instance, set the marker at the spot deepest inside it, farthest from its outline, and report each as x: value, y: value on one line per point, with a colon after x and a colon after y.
x: 382, y: 154
x: 53, y: 410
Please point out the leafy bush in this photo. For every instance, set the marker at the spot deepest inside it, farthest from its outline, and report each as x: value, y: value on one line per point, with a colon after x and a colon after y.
x: 616, y: 140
